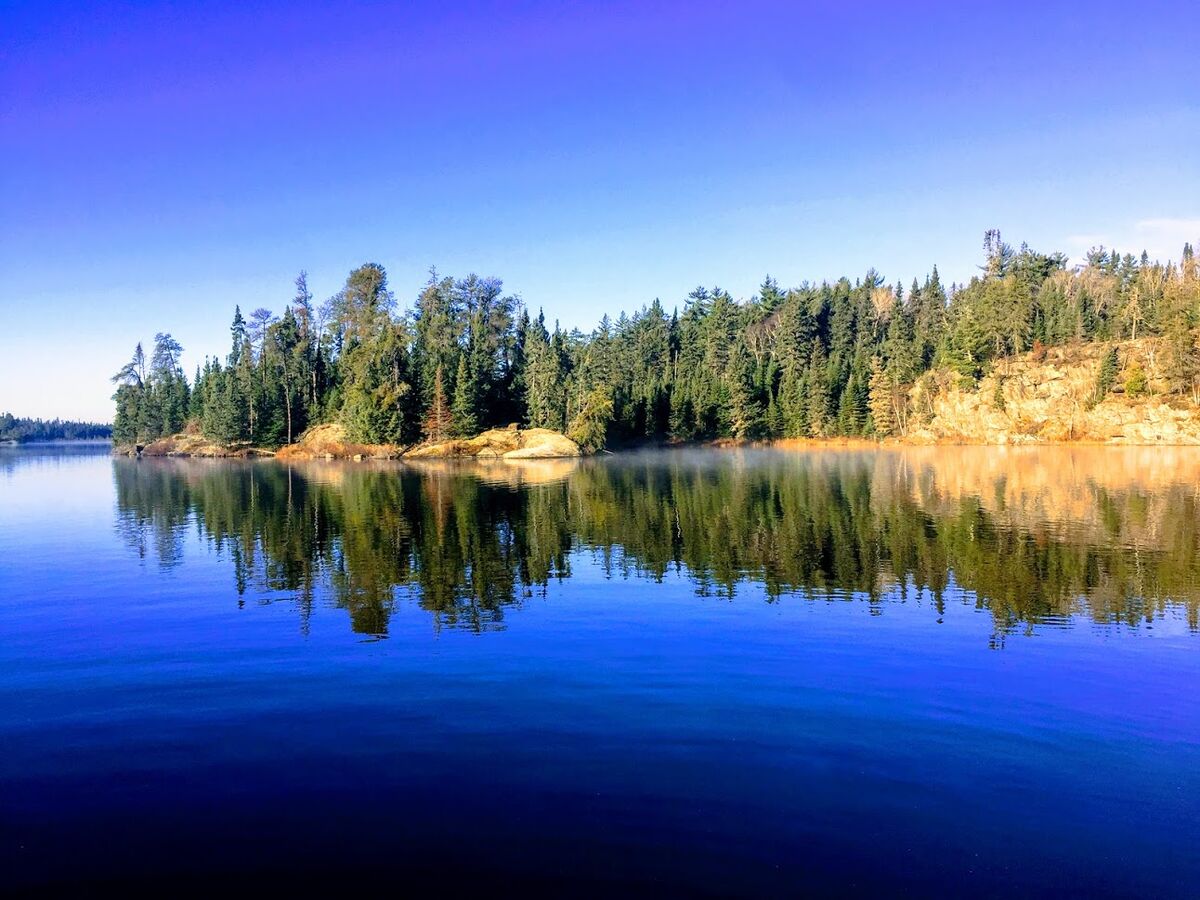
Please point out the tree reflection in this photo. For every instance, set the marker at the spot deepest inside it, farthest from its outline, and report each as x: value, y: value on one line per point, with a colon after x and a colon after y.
x: 468, y: 542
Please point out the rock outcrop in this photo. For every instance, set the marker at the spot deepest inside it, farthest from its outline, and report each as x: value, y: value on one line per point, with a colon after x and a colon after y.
x: 502, y: 443
x: 196, y: 445
x: 1051, y: 398
x: 329, y: 441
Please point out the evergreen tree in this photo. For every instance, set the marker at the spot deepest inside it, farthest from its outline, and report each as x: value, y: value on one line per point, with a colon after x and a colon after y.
x: 589, y: 428
x: 438, y: 419
x: 167, y: 407
x: 544, y: 377
x: 223, y: 412
x: 1106, y: 376
x: 745, y: 412
x: 462, y: 410
x: 818, y: 393
x: 130, y: 398
x: 883, y: 417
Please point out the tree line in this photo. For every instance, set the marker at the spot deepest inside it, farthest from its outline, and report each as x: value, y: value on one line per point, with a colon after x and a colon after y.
x: 818, y: 360
x: 22, y: 430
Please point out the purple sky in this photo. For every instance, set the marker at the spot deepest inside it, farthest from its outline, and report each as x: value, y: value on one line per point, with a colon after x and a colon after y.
x: 161, y: 162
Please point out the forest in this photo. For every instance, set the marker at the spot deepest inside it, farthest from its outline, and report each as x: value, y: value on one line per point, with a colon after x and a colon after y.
x: 21, y: 430
x: 816, y: 360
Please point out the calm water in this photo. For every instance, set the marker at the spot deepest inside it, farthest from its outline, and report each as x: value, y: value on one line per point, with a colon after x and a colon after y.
x: 941, y: 671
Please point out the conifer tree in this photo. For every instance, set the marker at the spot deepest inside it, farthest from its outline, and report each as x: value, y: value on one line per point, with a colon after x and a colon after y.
x: 544, y: 377
x: 745, y: 412
x: 438, y: 420
x: 130, y: 398
x: 1106, y: 376
x: 589, y: 428
x: 882, y: 414
x: 462, y: 410
x: 818, y: 393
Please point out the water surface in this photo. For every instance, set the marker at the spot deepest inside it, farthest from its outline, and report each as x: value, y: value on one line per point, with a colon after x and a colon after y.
x: 935, y: 671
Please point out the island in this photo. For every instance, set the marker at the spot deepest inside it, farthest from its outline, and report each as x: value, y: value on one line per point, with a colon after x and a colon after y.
x: 1031, y: 350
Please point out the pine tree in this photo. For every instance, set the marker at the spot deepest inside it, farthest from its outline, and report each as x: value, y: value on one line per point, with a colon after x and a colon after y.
x: 167, y: 408
x: 745, y: 412
x: 852, y: 405
x: 462, y: 411
x: 589, y: 427
x: 1106, y: 376
x: 222, y: 420
x: 130, y: 399
x: 882, y: 413
x: 196, y: 399
x: 545, y: 378
x: 127, y: 417
x: 774, y: 419
x: 818, y: 393
x: 438, y: 420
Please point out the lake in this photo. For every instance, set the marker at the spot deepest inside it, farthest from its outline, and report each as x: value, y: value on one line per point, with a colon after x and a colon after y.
x: 934, y: 671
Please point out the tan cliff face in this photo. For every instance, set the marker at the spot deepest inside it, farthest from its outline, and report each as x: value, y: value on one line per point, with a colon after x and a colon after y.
x: 1027, y: 400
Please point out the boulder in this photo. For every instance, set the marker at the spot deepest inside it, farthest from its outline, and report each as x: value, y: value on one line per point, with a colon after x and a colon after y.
x: 542, y: 443
x: 502, y: 443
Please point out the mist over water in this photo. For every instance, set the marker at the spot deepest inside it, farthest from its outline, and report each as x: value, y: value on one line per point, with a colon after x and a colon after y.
x: 942, y: 669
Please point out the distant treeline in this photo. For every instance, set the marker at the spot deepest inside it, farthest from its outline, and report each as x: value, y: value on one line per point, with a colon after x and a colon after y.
x: 821, y: 360
x: 21, y: 430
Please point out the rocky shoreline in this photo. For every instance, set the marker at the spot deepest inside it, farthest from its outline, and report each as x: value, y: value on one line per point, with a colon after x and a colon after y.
x: 1043, y: 399
x: 329, y: 442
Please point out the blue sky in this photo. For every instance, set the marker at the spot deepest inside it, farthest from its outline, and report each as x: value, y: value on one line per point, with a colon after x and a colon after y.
x: 160, y: 163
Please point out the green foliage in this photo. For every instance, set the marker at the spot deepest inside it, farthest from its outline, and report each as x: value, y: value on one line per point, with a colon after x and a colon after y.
x: 589, y: 428
x: 744, y: 413
x: 21, y: 430
x: 1135, y: 380
x: 814, y: 360
x: 152, y: 400
x: 998, y: 402
x: 464, y: 422
x: 1182, y: 367
x: 224, y: 415
x: 1106, y: 377
x: 880, y: 392
x: 438, y: 419
x: 544, y: 377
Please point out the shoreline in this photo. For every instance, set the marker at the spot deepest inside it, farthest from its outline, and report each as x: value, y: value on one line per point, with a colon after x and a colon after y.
x: 329, y: 442
x: 378, y: 453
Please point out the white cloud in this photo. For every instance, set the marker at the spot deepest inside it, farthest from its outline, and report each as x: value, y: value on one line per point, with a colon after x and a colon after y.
x: 1162, y: 238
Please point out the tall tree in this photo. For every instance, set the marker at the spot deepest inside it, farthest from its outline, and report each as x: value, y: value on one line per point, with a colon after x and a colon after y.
x: 462, y: 411
x: 438, y: 418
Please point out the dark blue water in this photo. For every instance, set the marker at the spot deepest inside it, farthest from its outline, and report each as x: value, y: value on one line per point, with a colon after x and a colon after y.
x: 711, y: 673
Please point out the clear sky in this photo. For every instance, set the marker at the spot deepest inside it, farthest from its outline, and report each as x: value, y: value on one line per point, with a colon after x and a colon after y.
x: 161, y: 162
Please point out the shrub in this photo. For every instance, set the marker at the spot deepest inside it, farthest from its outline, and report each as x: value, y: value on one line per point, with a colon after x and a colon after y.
x: 1135, y: 380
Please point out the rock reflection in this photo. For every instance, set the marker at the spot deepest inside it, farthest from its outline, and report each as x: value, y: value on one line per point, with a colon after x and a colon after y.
x: 1035, y: 537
